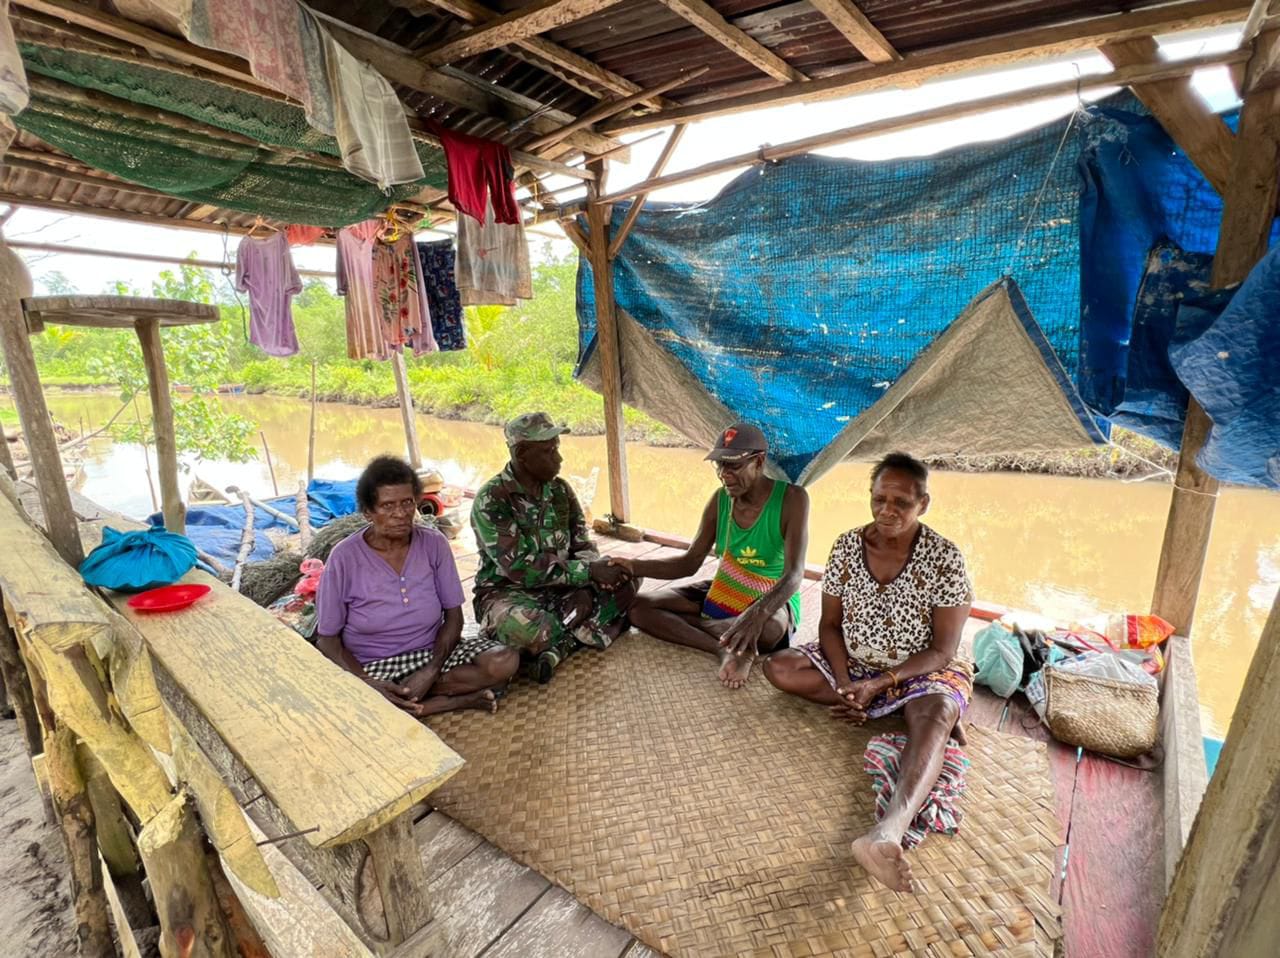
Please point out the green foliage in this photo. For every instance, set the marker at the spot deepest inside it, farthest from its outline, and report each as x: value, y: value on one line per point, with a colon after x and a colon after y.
x: 518, y: 358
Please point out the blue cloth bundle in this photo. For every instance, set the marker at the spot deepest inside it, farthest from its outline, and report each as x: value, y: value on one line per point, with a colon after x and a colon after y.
x: 135, y: 561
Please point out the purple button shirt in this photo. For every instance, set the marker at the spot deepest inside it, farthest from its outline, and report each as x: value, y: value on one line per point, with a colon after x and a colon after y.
x: 380, y: 612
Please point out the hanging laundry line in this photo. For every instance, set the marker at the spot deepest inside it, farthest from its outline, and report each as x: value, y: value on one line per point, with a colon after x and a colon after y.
x: 143, y: 257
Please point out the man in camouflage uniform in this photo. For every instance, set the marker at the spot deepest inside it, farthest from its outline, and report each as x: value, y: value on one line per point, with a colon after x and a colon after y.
x: 541, y: 586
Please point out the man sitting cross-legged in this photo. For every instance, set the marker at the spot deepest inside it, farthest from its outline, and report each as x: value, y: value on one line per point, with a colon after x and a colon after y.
x: 541, y: 587
x: 759, y: 528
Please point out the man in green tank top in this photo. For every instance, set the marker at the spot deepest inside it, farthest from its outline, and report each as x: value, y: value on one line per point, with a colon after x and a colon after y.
x: 758, y: 528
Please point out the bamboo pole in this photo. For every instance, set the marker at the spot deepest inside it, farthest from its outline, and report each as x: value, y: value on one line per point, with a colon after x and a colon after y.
x: 37, y: 426
x: 140, y: 257
x: 311, y: 431
x: 269, y: 510
x: 406, y: 408
x: 637, y: 204
x: 246, y: 541
x: 954, y: 111
x: 175, y: 512
x: 146, y: 458
x: 275, y: 487
x: 607, y: 343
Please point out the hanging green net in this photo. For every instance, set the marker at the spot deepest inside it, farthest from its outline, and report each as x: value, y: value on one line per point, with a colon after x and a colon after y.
x: 200, y: 166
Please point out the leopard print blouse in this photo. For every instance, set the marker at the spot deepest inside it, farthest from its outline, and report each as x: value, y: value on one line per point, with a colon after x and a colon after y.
x: 885, y: 624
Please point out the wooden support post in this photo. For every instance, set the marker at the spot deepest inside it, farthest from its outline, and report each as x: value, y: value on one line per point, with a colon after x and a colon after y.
x: 6, y: 456
x: 1224, y: 894
x: 247, y: 537
x: 191, y: 922
x: 607, y: 342
x: 304, y: 516
x: 75, y: 818
x: 401, y: 878
x: 18, y: 685
x: 406, y: 408
x: 175, y: 513
x: 37, y: 427
x: 1248, y: 210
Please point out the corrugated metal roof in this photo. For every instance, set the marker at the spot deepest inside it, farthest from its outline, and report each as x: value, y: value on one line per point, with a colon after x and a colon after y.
x: 641, y: 41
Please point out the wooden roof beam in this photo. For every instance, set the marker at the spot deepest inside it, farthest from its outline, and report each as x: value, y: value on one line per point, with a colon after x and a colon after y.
x: 707, y: 19
x: 527, y: 21
x: 1185, y: 116
x: 846, y: 17
x: 986, y: 53
x: 576, y: 68
x: 612, y: 107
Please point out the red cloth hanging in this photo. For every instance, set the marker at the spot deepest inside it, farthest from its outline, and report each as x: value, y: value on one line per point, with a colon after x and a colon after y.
x: 479, y: 170
x: 299, y: 235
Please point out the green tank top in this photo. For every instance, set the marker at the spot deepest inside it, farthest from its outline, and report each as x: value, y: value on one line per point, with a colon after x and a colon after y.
x: 751, y: 560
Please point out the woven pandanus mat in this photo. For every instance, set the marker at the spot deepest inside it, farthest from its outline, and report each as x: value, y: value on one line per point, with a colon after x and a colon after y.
x: 707, y: 821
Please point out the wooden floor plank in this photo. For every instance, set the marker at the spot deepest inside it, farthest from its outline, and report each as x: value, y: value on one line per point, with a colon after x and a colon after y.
x: 558, y: 926
x: 1115, y: 866
x: 443, y: 843
x: 474, y: 903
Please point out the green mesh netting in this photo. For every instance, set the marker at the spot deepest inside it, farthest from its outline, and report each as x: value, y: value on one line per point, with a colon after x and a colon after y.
x: 201, y: 168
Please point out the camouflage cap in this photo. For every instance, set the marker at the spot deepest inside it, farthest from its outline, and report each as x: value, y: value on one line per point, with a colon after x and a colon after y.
x: 532, y: 427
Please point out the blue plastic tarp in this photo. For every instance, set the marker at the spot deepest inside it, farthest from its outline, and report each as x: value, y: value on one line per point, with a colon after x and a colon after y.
x: 806, y: 287
x: 1233, y: 370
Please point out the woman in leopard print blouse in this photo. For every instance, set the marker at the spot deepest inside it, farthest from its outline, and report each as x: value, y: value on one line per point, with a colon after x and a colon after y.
x: 895, y: 598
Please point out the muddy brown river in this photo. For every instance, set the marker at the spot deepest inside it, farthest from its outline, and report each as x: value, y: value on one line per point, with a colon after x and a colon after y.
x: 1062, y: 547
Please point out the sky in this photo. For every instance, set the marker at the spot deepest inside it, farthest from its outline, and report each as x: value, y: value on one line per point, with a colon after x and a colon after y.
x: 703, y: 142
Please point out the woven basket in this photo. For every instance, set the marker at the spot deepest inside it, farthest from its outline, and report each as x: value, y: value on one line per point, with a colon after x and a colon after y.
x: 1100, y: 714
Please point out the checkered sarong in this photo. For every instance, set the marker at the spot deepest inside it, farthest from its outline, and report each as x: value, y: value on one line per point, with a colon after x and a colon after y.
x: 396, y: 668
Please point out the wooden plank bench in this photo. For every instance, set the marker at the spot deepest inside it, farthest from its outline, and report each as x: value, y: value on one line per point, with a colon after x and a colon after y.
x: 248, y: 716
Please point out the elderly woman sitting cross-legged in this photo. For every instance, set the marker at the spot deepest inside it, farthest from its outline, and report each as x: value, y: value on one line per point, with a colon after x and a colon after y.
x: 389, y: 607
x: 895, y: 597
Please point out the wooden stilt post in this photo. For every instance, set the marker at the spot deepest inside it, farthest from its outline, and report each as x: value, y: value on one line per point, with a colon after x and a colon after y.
x: 607, y: 343
x: 406, y: 409
x: 175, y: 513
x: 75, y: 817
x: 37, y: 427
x: 6, y: 457
x: 1248, y: 209
x: 17, y: 683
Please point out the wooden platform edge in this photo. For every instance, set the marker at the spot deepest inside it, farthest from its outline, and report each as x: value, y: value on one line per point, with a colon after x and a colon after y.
x: 1186, y: 773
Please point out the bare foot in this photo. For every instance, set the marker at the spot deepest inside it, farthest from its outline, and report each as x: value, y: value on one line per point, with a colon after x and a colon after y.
x: 957, y: 733
x: 735, y: 669
x: 884, y: 861
x: 484, y: 701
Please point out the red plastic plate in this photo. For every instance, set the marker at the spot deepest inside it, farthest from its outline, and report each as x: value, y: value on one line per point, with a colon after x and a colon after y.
x: 168, y: 598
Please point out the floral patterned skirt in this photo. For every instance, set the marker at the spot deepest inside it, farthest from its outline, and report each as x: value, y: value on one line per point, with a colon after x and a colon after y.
x: 955, y: 681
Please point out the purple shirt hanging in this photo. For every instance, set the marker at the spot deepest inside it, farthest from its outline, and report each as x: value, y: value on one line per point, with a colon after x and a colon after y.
x: 264, y: 269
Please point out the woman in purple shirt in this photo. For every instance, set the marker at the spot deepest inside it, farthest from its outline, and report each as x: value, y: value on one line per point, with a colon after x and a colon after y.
x: 389, y: 606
